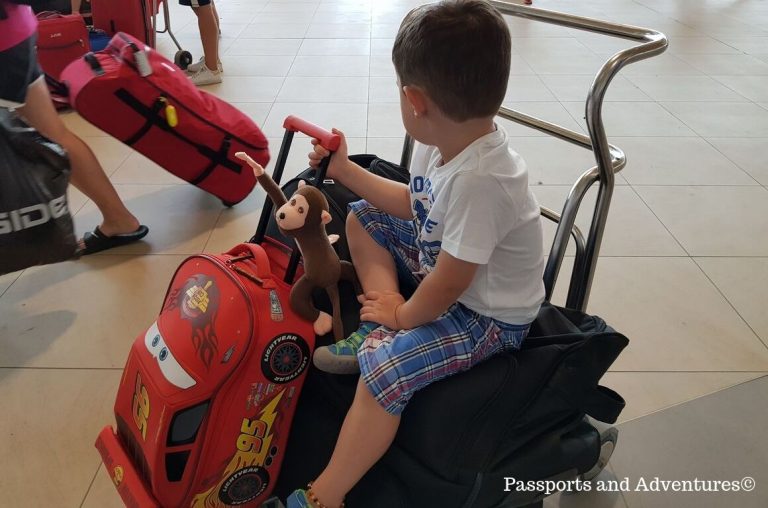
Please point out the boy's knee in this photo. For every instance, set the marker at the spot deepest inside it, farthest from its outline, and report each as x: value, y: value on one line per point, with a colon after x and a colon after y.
x: 353, y: 225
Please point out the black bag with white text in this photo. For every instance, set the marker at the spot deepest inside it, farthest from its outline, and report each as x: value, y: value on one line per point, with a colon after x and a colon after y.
x: 35, y: 224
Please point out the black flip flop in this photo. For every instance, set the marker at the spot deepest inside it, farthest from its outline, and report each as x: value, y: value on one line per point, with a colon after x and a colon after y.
x: 96, y: 241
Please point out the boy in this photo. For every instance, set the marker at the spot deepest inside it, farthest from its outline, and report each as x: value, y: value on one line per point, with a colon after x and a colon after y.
x: 208, y: 70
x: 467, y: 230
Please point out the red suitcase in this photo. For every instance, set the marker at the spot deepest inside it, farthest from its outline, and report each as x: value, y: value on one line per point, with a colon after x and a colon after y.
x: 189, y: 132
x: 208, y: 393
x: 133, y: 17
x: 61, y: 39
x: 209, y: 390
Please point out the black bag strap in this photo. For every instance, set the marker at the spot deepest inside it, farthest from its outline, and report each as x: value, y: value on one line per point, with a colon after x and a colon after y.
x: 576, y: 378
x: 94, y: 64
x: 153, y: 118
x: 600, y: 402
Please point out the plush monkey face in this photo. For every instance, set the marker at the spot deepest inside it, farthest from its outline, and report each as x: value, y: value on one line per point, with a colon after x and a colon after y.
x: 307, y: 207
x: 293, y: 214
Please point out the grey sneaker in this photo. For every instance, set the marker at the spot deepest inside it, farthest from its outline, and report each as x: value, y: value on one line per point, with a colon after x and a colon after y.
x: 195, y: 67
x: 341, y: 358
x: 205, y: 76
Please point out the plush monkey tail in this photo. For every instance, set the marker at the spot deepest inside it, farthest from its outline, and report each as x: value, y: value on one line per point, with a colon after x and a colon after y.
x: 338, y: 327
x: 349, y: 274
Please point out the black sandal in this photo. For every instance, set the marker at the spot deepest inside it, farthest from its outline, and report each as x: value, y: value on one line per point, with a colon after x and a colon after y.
x: 96, y: 241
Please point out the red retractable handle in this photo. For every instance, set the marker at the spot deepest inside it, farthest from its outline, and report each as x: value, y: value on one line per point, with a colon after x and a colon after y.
x: 327, y: 139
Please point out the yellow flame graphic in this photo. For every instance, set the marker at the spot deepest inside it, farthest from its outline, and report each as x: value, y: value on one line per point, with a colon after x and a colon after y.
x: 210, y: 498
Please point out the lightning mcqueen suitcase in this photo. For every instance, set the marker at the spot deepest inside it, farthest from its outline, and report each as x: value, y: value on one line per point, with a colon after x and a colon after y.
x: 189, y: 132
x: 209, y: 390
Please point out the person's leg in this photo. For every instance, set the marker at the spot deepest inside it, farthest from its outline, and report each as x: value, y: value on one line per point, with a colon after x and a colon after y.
x: 367, y: 433
x: 209, y: 34
x: 216, y: 16
x: 394, y: 366
x: 374, y: 264
x: 87, y: 174
x: 381, y: 246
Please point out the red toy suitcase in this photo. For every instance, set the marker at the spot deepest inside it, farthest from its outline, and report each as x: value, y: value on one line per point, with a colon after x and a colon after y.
x: 61, y: 39
x: 133, y: 17
x: 208, y: 392
x: 189, y: 132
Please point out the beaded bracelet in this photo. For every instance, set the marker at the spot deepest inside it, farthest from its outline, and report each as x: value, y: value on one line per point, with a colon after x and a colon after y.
x: 397, y: 321
x: 313, y: 498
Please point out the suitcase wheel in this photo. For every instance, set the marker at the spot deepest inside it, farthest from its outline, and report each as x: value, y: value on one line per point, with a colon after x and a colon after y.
x: 183, y: 59
x: 285, y: 358
x: 244, y: 485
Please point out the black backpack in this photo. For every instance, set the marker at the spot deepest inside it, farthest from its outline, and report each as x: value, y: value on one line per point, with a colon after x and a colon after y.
x: 518, y: 415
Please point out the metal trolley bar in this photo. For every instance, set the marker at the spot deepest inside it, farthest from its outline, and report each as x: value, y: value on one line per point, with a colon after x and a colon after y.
x: 610, y: 159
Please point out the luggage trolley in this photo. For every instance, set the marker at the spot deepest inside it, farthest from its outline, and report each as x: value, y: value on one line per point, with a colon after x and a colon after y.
x: 609, y: 161
x: 559, y: 442
x: 182, y: 58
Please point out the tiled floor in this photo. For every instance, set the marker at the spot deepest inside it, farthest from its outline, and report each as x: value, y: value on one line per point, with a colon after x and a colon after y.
x: 683, y: 269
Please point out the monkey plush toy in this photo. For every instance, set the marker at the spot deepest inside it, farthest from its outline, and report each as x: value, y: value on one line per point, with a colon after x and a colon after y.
x: 303, y: 217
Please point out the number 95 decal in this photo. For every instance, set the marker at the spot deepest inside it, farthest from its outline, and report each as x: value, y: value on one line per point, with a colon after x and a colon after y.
x: 141, y: 406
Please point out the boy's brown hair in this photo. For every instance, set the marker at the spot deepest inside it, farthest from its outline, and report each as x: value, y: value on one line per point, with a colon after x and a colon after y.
x: 459, y: 52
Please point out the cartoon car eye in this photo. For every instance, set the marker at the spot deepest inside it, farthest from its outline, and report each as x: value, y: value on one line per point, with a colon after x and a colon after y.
x: 173, y: 372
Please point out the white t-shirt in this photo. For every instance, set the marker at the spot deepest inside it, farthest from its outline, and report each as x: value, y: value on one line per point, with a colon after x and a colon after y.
x: 478, y: 208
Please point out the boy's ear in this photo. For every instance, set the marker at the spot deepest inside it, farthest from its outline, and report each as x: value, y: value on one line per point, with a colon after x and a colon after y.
x: 416, y: 98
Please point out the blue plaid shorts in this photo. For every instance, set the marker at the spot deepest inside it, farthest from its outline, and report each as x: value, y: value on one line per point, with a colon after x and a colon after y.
x: 396, y: 364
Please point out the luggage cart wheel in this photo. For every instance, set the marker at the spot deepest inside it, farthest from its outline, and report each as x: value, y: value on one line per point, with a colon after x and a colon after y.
x: 183, y: 59
x: 608, y: 438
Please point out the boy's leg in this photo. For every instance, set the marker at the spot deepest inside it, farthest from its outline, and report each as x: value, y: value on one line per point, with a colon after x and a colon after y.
x: 87, y: 174
x: 395, y: 365
x: 380, y: 246
x: 373, y: 263
x: 376, y: 270
x: 367, y: 433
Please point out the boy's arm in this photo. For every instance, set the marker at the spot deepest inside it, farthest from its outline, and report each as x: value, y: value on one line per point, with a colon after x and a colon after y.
x: 388, y: 196
x: 436, y: 293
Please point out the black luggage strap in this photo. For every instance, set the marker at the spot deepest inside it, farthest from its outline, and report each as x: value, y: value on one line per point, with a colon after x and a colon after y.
x: 93, y: 62
x: 600, y: 402
x: 154, y: 119
x: 56, y: 87
x: 219, y: 158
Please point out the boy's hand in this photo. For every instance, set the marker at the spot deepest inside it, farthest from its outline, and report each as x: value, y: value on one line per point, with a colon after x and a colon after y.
x: 339, y: 160
x: 381, y: 307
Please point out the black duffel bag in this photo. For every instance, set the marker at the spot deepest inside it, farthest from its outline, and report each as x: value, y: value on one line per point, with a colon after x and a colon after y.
x: 35, y: 224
